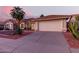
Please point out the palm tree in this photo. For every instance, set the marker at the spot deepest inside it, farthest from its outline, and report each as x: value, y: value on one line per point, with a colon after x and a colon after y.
x: 18, y: 14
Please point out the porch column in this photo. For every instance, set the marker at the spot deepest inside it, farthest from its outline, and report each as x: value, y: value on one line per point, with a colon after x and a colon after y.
x: 64, y: 26
x: 38, y: 26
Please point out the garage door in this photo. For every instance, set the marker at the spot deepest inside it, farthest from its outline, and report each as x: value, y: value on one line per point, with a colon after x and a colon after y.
x: 50, y: 25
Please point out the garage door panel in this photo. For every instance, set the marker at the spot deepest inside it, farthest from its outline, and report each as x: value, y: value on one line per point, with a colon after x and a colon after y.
x: 50, y: 26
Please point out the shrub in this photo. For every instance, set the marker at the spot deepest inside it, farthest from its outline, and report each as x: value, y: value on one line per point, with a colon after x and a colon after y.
x: 73, y: 28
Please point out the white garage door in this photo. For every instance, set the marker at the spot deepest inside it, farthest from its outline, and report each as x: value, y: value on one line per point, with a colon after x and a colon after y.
x: 55, y: 25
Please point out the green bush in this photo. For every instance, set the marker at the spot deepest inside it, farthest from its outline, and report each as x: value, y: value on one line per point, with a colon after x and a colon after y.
x: 73, y: 28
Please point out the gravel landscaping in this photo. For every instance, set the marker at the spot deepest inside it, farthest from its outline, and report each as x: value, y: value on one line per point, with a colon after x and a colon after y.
x: 73, y: 43
x: 9, y: 34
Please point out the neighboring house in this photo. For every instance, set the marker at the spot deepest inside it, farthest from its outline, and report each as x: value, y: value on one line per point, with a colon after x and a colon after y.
x: 50, y: 23
x: 11, y: 24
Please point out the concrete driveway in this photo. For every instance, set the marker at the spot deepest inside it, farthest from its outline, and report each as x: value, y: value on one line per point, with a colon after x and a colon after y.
x: 37, y: 42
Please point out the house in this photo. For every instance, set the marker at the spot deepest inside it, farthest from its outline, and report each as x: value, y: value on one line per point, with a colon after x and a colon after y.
x: 45, y: 23
x: 50, y: 23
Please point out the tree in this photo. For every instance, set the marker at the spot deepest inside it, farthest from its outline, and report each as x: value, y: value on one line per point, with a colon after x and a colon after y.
x: 18, y: 14
x: 41, y: 15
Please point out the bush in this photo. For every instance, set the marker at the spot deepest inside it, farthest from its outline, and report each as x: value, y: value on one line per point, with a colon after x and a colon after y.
x: 73, y: 28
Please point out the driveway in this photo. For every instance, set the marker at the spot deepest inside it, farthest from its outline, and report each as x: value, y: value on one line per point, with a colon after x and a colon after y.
x: 37, y: 42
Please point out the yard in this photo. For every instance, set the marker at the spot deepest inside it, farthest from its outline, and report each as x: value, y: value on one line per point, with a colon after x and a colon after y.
x: 9, y: 34
x: 73, y: 43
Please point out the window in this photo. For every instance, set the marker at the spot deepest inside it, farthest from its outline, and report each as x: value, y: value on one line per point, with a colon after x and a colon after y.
x: 7, y: 26
x: 22, y: 25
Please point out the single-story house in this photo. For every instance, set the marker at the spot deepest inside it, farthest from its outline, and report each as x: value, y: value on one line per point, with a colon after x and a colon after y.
x: 45, y: 23
x: 50, y: 23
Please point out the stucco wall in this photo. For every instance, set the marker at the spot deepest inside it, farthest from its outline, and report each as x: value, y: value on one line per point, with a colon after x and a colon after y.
x: 35, y: 26
x: 22, y: 25
x: 64, y: 28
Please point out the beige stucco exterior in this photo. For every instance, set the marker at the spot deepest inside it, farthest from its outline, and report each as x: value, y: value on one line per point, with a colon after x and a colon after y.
x: 54, y: 25
x: 35, y: 26
x: 22, y: 25
x: 64, y: 28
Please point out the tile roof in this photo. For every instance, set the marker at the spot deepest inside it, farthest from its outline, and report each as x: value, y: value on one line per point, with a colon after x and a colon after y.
x: 14, y: 21
x: 52, y: 17
x: 75, y: 14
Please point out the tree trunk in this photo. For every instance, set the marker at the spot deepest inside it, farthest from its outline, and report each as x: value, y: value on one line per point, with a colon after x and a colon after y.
x: 18, y: 29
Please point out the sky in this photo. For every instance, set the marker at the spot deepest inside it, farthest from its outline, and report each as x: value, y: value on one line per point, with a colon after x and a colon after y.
x: 36, y: 11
